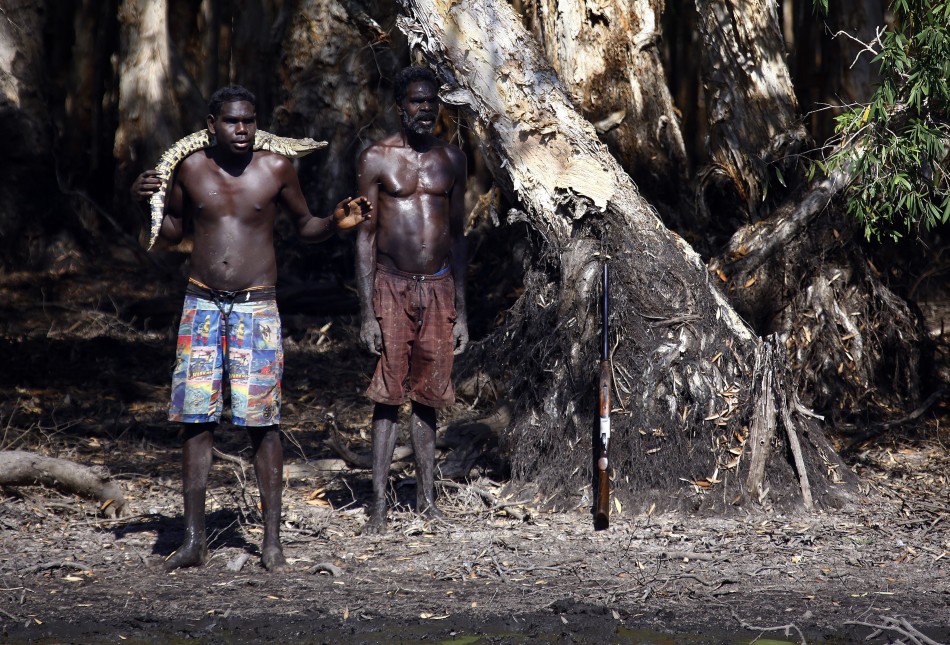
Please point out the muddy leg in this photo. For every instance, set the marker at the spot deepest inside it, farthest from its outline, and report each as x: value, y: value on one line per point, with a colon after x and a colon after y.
x: 269, y: 468
x: 422, y: 432
x: 195, y: 464
x: 384, y: 442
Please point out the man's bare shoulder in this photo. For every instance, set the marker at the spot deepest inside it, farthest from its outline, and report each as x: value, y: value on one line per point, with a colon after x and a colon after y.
x: 384, y: 145
x: 272, y: 160
x: 456, y: 157
x: 378, y: 152
x: 454, y: 151
x: 194, y: 160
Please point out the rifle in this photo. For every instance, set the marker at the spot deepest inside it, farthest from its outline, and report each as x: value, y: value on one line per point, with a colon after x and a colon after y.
x: 602, y: 507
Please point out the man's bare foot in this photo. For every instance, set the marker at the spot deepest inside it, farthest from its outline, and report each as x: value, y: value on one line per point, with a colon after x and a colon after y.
x: 272, y: 557
x: 376, y: 525
x: 190, y: 554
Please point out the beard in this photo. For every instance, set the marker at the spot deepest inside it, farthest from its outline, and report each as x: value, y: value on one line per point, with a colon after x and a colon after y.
x: 416, y: 126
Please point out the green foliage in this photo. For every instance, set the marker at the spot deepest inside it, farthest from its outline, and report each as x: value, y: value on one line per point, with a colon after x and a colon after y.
x: 898, y: 145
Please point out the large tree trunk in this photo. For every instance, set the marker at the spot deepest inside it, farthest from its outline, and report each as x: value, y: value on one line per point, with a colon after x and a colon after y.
x: 607, y: 55
x: 149, y: 111
x: 691, y: 378
x: 148, y: 105
x: 753, y: 123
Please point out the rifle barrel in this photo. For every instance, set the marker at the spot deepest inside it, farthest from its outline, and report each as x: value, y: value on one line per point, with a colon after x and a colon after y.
x: 604, y: 336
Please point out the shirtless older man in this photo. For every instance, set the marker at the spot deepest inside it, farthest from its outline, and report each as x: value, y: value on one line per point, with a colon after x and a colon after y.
x: 411, y: 267
x: 230, y: 326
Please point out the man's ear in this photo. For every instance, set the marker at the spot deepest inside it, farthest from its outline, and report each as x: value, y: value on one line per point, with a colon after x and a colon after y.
x: 211, y: 124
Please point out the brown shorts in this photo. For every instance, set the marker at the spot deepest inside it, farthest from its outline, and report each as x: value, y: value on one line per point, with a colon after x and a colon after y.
x: 416, y: 314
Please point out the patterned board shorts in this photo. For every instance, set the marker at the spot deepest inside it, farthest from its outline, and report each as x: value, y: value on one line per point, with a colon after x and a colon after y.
x: 416, y: 315
x: 251, y: 335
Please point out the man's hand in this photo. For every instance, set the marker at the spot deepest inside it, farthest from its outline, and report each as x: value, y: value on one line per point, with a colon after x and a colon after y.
x: 352, y: 212
x: 145, y: 185
x: 371, y: 336
x: 460, y: 335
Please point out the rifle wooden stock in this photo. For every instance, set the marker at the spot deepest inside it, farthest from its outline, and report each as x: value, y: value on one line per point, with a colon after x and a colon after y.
x: 602, y: 507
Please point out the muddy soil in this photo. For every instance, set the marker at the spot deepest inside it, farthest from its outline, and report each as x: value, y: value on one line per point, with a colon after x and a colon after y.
x: 86, y: 365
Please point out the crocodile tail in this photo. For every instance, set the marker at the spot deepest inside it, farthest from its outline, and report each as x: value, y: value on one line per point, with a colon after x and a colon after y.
x: 165, y: 167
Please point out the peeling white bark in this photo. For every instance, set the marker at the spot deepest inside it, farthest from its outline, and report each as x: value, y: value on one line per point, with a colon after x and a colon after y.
x: 606, y: 53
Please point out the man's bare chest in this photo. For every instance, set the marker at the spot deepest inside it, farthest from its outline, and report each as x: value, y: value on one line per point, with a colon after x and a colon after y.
x: 418, y: 174
x: 220, y: 191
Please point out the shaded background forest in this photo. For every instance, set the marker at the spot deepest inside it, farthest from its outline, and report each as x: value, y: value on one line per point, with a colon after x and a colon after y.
x: 104, y: 89
x: 93, y: 92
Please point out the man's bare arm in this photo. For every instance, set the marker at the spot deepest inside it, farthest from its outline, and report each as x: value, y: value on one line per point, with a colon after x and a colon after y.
x: 459, y: 259
x: 293, y: 202
x: 346, y: 214
x: 368, y: 186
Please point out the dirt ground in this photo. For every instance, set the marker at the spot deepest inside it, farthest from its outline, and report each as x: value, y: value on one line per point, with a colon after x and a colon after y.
x: 87, y: 361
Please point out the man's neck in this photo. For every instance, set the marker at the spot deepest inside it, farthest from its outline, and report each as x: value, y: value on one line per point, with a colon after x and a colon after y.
x: 418, y: 142
x: 230, y: 163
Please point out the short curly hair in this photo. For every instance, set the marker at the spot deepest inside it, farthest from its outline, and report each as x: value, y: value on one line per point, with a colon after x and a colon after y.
x: 228, y: 94
x: 409, y: 75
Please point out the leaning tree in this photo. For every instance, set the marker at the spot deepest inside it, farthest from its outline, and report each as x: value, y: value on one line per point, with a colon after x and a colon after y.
x: 704, y: 409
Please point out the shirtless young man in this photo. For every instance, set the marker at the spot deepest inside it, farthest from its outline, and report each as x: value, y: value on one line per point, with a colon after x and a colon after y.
x: 411, y: 266
x: 231, y: 193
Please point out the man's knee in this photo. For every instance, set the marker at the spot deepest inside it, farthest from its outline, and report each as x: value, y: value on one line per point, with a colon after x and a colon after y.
x: 263, y: 436
x: 197, y: 432
x: 385, y: 412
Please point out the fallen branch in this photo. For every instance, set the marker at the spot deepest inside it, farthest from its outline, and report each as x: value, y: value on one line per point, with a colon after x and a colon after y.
x: 753, y: 245
x: 786, y: 629
x: 354, y: 459
x: 20, y: 468
x: 315, y: 468
x: 898, y: 625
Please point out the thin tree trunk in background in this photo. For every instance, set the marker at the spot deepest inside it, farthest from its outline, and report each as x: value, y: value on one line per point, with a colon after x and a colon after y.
x: 853, y: 76
x: 147, y: 102
x: 257, y: 31
x: 87, y: 93
x: 210, y: 29
x: 828, y: 68
x: 607, y: 54
x: 684, y: 364
x: 28, y: 188
x: 754, y: 127
x: 680, y: 44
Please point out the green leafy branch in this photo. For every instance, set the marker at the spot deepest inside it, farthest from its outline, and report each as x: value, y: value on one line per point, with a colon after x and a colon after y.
x: 897, y: 146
